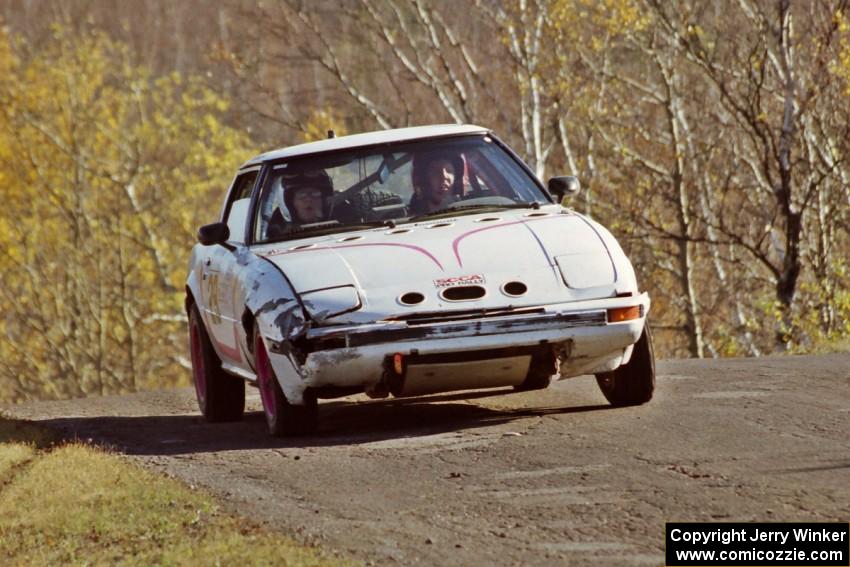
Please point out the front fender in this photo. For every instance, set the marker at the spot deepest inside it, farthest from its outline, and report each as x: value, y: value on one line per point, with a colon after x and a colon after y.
x: 281, y: 320
x: 626, y: 279
x: 273, y: 302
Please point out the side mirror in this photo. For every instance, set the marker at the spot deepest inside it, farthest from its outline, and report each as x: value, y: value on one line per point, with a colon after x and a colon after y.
x: 215, y: 233
x: 564, y: 186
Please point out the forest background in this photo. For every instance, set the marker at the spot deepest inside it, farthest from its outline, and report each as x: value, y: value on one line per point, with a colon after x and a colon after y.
x: 712, y: 137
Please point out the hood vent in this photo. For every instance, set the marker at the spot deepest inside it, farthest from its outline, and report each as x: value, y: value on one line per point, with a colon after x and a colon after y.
x: 463, y: 293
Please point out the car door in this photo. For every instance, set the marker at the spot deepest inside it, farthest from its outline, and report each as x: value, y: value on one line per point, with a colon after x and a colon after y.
x: 219, y: 278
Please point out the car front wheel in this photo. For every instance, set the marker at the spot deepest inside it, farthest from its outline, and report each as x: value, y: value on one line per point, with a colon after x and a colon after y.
x: 283, y: 419
x: 633, y: 383
x: 221, y: 397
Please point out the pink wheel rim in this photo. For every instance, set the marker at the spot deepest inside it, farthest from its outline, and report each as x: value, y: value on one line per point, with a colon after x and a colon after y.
x: 198, y: 371
x: 265, y: 378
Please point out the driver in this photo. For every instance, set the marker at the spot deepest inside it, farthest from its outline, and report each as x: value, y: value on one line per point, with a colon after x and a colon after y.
x: 306, y: 196
x: 437, y: 181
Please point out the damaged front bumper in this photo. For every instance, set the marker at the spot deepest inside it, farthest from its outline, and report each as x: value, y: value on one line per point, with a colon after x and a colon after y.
x: 444, y: 352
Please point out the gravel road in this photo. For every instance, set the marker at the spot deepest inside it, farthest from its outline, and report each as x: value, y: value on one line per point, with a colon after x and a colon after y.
x: 549, y: 477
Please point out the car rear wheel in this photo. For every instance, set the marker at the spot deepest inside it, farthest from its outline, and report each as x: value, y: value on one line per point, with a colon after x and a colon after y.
x: 633, y: 383
x: 221, y: 397
x: 283, y: 419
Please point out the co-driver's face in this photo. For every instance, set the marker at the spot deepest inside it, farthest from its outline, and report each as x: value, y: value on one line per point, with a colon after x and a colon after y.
x: 441, y: 177
x: 308, y: 205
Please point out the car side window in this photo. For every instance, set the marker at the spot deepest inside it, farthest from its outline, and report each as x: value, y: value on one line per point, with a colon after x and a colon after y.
x: 236, y: 215
x: 272, y: 214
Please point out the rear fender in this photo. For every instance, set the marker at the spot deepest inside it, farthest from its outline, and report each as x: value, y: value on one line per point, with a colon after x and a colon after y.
x: 193, y: 286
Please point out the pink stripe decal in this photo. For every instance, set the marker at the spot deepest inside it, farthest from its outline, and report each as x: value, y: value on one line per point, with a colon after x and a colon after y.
x: 456, y: 243
x: 409, y: 246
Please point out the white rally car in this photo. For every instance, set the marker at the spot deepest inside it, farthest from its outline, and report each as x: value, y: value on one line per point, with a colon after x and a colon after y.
x: 406, y: 262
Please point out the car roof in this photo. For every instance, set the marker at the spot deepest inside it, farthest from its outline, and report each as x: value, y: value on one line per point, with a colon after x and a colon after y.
x: 369, y: 139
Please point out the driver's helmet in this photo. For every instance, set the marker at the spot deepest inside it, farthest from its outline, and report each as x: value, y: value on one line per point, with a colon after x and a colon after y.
x: 313, y: 179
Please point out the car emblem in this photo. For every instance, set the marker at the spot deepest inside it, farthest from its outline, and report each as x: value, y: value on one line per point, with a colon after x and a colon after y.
x: 459, y: 280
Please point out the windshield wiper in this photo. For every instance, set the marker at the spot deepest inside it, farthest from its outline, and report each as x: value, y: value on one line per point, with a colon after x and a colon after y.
x: 303, y: 232
x: 522, y: 205
x: 470, y: 208
x: 389, y: 223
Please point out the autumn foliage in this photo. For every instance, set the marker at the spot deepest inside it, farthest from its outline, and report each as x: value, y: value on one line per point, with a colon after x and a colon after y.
x: 713, y: 137
x: 106, y: 173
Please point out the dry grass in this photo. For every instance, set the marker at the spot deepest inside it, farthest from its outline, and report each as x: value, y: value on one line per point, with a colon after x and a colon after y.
x: 830, y: 346
x: 74, y: 504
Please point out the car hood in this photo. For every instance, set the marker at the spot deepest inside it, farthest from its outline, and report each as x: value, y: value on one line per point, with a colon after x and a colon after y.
x: 558, y: 255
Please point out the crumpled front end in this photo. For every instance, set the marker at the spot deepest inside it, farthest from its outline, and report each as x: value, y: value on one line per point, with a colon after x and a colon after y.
x: 460, y: 350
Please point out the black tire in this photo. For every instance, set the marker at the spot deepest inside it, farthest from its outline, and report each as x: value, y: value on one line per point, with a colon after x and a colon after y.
x: 632, y: 384
x: 283, y: 419
x: 540, y: 373
x: 221, y: 397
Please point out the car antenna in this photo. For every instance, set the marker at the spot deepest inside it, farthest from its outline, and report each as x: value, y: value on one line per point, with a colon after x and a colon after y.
x: 331, y: 134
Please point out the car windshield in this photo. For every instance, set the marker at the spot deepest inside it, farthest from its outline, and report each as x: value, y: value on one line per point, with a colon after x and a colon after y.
x: 390, y: 184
